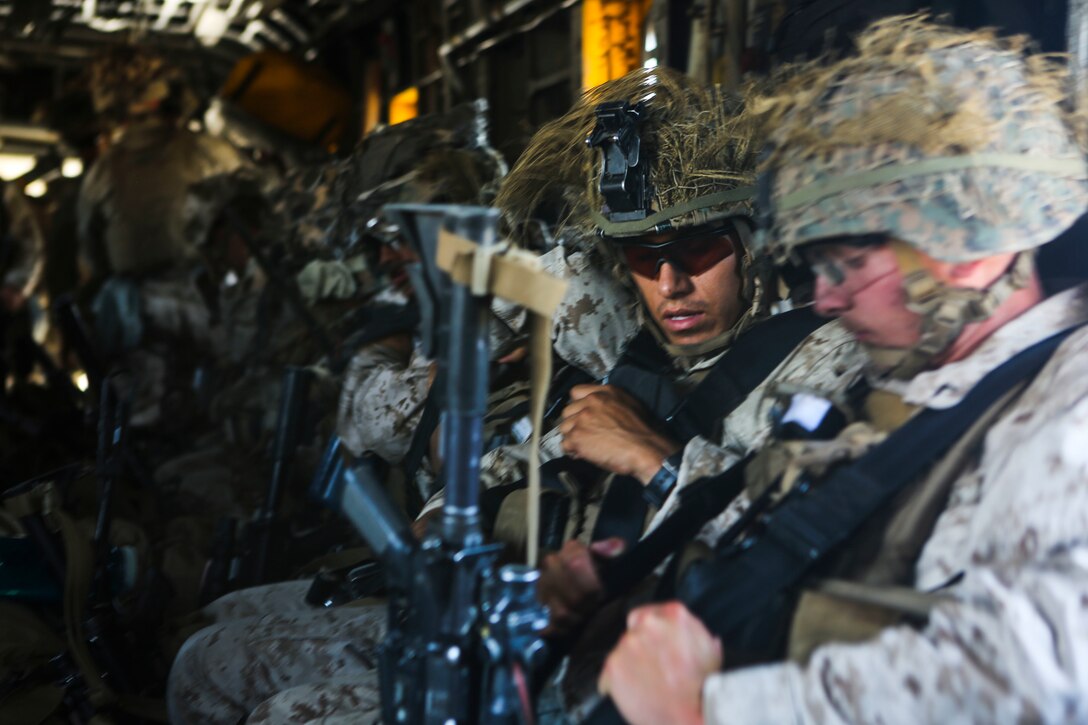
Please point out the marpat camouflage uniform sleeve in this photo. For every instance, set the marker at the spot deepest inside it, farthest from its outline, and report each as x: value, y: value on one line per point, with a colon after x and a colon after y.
x: 597, y: 318
x: 382, y: 401
x: 1013, y: 647
x: 505, y: 465
x: 594, y: 322
x: 339, y: 701
x: 227, y: 669
x: 590, y: 330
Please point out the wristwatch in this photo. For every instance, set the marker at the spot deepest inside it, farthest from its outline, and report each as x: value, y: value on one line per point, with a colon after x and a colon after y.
x: 657, y: 490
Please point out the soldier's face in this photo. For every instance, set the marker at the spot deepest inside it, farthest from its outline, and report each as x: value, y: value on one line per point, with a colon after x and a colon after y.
x: 693, y: 290
x: 863, y: 287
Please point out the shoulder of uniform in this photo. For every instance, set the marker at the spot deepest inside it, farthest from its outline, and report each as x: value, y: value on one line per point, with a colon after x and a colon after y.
x: 1069, y: 358
x: 829, y: 358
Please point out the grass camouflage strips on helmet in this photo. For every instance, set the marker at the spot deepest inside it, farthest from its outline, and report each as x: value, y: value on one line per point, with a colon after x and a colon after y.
x: 700, y: 146
x: 699, y: 141
x: 955, y: 143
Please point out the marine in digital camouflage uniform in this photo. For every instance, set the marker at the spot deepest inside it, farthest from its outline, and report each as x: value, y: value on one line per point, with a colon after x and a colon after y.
x: 557, y: 178
x: 135, y: 225
x: 385, y: 387
x: 386, y: 429
x: 317, y: 248
x: 826, y: 361
x: 918, y: 178
x: 387, y: 381
x: 583, y: 305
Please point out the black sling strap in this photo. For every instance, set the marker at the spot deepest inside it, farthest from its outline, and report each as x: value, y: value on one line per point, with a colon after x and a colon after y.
x: 747, y: 363
x: 737, y: 591
x: 700, y: 502
x: 428, y: 423
x: 646, y: 371
x: 809, y: 524
x: 753, y: 357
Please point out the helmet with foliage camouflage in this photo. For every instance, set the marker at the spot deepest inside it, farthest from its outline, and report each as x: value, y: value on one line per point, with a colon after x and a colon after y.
x: 951, y: 141
x: 439, y: 158
x: 690, y: 147
x: 939, y: 141
x: 543, y: 197
x: 129, y: 81
x: 635, y: 157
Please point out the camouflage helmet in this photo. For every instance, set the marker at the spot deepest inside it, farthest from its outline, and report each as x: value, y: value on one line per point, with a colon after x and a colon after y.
x: 954, y: 142
x: 695, y: 158
x: 940, y: 142
x: 131, y: 81
x: 696, y: 154
x: 335, y: 206
x: 543, y: 199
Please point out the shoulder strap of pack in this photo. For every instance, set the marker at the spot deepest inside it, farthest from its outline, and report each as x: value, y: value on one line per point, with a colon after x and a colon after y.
x: 752, y: 357
x: 646, y: 371
x: 731, y: 589
x: 645, y: 352
x: 700, y: 502
x: 428, y: 423
x: 746, y: 364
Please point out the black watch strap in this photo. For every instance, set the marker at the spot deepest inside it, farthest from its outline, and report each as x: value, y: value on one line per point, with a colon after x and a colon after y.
x: 657, y: 490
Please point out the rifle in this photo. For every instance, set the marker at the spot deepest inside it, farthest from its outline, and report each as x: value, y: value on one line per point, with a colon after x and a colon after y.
x: 77, y: 335
x: 111, y: 645
x: 265, y: 528
x: 215, y: 579
x: 93, y: 619
x: 464, y: 634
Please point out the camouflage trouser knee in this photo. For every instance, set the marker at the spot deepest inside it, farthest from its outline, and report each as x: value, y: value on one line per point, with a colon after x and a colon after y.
x: 341, y: 701
x: 195, y: 492
x: 281, y: 598
x: 224, y: 671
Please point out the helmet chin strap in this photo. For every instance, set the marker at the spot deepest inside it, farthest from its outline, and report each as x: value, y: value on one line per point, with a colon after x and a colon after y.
x: 691, y: 355
x: 945, y: 311
x: 755, y: 274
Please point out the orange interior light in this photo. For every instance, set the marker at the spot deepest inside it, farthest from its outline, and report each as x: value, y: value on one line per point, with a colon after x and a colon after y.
x: 404, y: 106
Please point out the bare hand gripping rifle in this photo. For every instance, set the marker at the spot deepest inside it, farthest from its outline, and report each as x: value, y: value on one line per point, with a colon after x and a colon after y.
x: 464, y: 633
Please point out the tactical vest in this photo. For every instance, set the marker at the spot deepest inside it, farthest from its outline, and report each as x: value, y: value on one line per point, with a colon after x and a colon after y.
x: 648, y: 373
x: 859, y: 521
x: 856, y: 522
x: 880, y: 560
